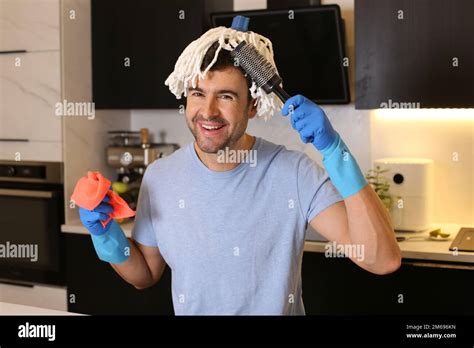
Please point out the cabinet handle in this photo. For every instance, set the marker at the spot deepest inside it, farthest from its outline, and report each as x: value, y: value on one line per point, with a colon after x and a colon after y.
x: 439, y: 265
x: 15, y: 283
x: 13, y: 52
x: 26, y: 193
x: 16, y: 140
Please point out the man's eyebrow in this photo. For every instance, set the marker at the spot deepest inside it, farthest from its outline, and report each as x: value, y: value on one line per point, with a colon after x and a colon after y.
x: 221, y: 91
x: 228, y: 91
x: 197, y: 89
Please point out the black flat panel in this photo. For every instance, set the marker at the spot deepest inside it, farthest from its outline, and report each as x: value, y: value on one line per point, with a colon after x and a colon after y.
x: 410, y: 60
x: 309, y: 49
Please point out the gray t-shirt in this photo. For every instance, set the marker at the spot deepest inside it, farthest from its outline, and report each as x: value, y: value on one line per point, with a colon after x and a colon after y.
x: 233, y: 240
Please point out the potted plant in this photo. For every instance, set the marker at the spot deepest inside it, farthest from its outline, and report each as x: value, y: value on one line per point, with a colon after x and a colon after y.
x: 380, y: 185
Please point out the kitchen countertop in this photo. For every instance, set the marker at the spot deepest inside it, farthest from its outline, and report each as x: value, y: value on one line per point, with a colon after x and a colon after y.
x: 16, y: 309
x: 418, y: 249
x: 421, y: 248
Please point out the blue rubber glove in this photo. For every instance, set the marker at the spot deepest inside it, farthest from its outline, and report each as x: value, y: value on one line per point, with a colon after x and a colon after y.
x: 91, y: 218
x: 113, y: 246
x: 314, y: 127
x: 310, y: 121
x: 110, y: 243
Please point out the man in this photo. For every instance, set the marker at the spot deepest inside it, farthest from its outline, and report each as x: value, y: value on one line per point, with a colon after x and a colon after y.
x: 232, y: 232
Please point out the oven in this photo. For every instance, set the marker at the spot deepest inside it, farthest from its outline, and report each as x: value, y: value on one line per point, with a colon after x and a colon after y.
x: 31, y: 214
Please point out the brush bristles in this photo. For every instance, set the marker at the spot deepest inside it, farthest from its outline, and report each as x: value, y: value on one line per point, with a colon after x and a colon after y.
x: 259, y: 69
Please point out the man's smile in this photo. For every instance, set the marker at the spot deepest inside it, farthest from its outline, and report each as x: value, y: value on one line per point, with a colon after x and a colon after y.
x: 208, y: 128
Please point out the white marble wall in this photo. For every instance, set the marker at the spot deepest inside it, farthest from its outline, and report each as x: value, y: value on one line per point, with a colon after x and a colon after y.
x: 29, y: 24
x: 29, y: 93
x: 30, y: 82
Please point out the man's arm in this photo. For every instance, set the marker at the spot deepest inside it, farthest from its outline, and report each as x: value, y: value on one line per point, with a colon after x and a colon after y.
x: 143, y: 268
x: 362, y: 219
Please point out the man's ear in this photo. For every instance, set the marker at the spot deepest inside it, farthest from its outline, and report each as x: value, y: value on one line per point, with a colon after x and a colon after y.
x: 252, y: 108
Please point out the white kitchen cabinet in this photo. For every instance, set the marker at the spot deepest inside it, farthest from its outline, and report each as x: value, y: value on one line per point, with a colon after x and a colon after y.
x: 31, y: 25
x: 31, y: 151
x: 28, y: 95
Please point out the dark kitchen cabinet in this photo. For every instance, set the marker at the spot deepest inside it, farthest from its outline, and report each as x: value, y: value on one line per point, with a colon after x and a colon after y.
x: 414, y: 51
x: 93, y: 287
x: 330, y: 287
x: 333, y: 286
x: 135, y: 45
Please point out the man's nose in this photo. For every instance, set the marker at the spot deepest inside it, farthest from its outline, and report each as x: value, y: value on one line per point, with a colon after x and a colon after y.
x: 210, y: 107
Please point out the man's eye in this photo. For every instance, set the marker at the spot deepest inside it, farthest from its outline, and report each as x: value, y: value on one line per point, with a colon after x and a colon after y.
x: 227, y: 97
x: 196, y: 94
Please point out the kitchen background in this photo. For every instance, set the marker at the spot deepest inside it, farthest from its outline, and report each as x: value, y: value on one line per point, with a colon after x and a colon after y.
x: 60, y: 44
x: 434, y: 134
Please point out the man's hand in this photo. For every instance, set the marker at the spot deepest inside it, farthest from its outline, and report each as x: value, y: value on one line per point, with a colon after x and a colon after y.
x: 91, y: 218
x: 310, y: 121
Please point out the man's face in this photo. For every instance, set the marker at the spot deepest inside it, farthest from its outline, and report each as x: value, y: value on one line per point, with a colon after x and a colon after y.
x: 218, y: 109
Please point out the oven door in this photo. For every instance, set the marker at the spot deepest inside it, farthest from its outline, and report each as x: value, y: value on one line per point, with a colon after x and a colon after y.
x: 31, y: 243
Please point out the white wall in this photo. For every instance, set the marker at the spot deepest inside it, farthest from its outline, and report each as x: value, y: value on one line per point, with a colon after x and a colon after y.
x: 244, y: 5
x: 444, y: 135
x: 368, y: 136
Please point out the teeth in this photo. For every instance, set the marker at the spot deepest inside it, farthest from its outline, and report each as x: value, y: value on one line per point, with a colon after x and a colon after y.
x: 210, y: 127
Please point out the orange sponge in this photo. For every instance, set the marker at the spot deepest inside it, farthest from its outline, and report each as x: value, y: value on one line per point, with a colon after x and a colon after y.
x: 90, y: 190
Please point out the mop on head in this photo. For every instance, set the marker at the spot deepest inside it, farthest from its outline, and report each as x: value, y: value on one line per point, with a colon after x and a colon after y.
x: 188, y: 66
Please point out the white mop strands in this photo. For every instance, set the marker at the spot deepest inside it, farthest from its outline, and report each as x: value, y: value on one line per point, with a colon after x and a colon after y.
x: 188, y: 66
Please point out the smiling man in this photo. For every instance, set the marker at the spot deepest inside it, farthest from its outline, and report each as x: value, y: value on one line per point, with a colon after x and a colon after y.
x: 218, y: 111
x: 233, y: 234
